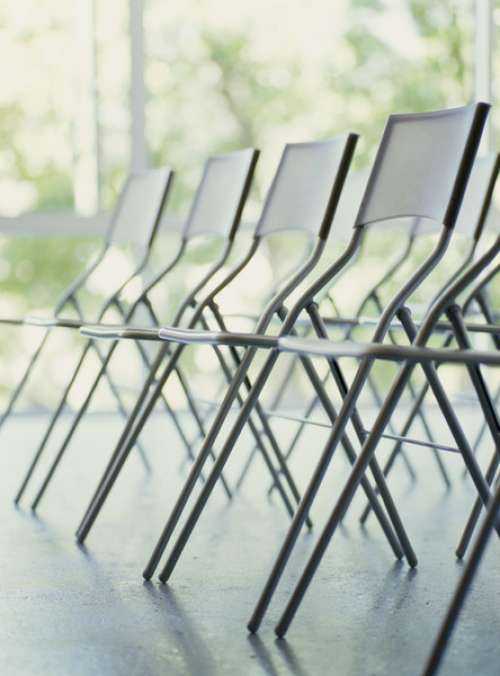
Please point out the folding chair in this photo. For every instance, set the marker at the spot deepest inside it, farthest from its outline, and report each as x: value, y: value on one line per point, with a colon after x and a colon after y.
x: 215, y: 211
x: 471, y: 224
x: 207, y: 302
x: 408, y: 150
x: 134, y: 224
x: 409, y: 356
x: 149, y: 190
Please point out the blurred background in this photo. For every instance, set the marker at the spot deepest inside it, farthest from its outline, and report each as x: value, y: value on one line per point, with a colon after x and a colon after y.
x: 91, y: 89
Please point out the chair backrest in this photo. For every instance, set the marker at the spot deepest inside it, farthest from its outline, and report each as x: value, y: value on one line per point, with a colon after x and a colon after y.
x: 423, y: 165
x: 221, y: 194
x: 306, y: 187
x: 477, y: 200
x: 137, y: 214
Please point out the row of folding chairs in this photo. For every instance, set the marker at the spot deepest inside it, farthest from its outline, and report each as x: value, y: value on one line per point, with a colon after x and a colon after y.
x: 425, y: 171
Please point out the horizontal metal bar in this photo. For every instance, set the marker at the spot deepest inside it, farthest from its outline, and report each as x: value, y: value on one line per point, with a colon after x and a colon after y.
x: 418, y: 442
x: 49, y: 322
x: 393, y: 437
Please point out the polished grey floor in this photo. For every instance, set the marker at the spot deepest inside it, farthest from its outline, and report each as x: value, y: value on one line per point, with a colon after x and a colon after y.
x: 85, y: 611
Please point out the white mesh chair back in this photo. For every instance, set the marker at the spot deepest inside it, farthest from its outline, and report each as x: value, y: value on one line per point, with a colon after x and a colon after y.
x: 422, y: 165
x: 477, y: 200
x: 137, y: 214
x: 306, y: 187
x: 221, y: 195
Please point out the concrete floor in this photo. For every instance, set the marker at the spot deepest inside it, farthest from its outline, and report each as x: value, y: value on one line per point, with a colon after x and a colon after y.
x: 85, y: 611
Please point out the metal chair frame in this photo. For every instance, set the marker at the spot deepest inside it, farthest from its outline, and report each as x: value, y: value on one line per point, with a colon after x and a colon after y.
x: 445, y: 303
x: 327, y: 296
x: 70, y: 298
x: 471, y: 222
x: 70, y: 295
x: 484, y: 311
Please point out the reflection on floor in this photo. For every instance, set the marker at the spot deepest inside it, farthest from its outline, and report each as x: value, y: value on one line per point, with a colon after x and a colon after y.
x: 82, y: 611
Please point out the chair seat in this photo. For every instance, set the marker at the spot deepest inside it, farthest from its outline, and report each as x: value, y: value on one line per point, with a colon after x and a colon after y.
x: 50, y: 322
x: 328, y: 348
x: 118, y: 332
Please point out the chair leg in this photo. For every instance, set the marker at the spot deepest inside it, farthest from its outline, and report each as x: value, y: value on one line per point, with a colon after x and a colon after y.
x: 452, y: 419
x: 381, y: 486
x: 361, y: 465
x: 52, y: 423
x: 207, y: 446
x: 470, y: 570
x: 134, y: 415
x: 24, y: 379
x: 204, y: 495
x: 418, y: 411
x: 274, y: 404
x: 105, y: 359
x: 481, y: 433
x: 337, y: 514
x: 314, y: 402
x: 258, y: 441
x: 397, y: 447
x: 476, y: 510
x: 283, y: 468
x: 338, y: 428
x: 134, y: 427
x: 490, y: 416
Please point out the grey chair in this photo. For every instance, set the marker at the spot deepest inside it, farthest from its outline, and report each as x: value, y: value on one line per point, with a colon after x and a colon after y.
x: 134, y: 224
x: 344, y: 218
x: 216, y: 212
x: 146, y: 192
x: 435, y: 194
x: 409, y: 356
x: 471, y: 224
